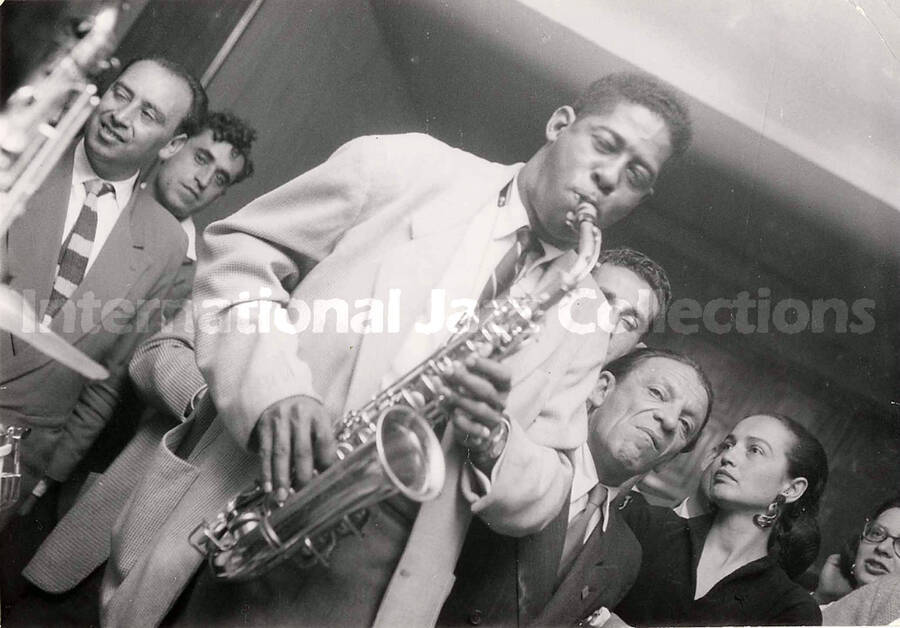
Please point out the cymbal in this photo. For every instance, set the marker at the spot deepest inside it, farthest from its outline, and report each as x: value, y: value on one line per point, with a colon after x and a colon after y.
x: 16, y: 315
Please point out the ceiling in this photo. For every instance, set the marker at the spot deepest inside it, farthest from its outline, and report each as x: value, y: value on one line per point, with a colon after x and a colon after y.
x: 791, y: 184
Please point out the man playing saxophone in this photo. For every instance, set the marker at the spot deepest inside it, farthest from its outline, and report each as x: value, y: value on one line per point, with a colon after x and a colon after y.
x: 395, y: 225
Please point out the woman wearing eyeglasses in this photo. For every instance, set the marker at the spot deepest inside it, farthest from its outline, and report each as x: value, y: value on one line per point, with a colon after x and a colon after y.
x: 867, y: 570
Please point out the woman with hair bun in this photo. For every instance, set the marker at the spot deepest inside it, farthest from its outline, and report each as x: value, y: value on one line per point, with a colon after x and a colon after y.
x: 734, y: 565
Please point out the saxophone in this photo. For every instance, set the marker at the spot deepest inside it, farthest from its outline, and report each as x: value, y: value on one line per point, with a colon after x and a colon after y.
x: 384, y: 448
x: 10, y: 465
x: 41, y: 118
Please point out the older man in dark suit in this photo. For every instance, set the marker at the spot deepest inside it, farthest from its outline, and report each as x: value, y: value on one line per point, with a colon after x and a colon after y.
x: 526, y: 573
x: 649, y: 406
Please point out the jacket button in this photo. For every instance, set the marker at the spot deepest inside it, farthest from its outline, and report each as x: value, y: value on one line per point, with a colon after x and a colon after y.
x: 476, y: 617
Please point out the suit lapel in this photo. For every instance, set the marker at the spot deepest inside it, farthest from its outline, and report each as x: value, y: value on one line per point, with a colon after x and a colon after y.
x: 595, y: 576
x: 537, y: 557
x: 34, y: 241
x: 36, y: 236
x: 111, y: 276
x: 408, y: 272
x: 542, y: 344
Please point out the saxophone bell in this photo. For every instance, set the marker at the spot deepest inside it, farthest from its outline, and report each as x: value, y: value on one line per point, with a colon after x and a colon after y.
x: 398, y: 454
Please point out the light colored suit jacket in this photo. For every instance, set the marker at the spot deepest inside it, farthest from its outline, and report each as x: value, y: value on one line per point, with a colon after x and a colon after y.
x: 875, y: 604
x: 165, y: 373
x: 383, y: 213
x: 132, y: 274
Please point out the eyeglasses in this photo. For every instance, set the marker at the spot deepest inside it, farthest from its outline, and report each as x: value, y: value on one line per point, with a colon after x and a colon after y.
x: 875, y: 533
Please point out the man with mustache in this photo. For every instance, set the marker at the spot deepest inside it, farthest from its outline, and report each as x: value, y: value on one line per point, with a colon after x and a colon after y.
x: 95, y: 260
x: 648, y: 407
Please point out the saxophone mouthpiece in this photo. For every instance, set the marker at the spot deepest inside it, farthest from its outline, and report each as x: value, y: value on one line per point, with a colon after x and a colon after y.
x: 586, y: 212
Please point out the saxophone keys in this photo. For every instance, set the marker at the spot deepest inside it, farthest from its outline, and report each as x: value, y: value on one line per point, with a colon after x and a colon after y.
x: 352, y: 523
x: 413, y: 398
x: 309, y: 547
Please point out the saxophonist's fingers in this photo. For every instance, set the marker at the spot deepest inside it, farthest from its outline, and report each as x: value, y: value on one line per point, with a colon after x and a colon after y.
x: 476, y: 418
x: 474, y: 386
x: 323, y: 440
x: 281, y: 453
x: 495, y: 372
x: 264, y: 435
x: 302, y: 448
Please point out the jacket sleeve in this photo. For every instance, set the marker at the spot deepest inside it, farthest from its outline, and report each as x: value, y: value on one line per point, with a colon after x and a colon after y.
x: 98, y: 400
x: 164, y: 368
x: 532, y: 479
x: 253, y: 260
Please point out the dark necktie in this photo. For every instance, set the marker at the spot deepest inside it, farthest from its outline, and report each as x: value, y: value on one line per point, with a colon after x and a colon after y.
x: 510, y: 265
x: 76, y: 249
x: 578, y: 528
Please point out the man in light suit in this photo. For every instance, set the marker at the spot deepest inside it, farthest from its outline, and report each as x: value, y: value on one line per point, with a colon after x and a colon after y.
x: 347, y: 232
x: 125, y: 253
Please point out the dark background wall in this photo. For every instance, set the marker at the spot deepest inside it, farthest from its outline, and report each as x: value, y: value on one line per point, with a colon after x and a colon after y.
x: 310, y: 75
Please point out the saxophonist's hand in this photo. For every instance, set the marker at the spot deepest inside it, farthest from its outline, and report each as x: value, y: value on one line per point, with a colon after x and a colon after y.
x: 290, y: 436
x: 478, y: 391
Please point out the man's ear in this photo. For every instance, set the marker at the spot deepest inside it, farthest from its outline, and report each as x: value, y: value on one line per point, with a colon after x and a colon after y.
x: 794, y: 489
x: 561, y: 119
x: 172, y: 146
x: 604, y: 386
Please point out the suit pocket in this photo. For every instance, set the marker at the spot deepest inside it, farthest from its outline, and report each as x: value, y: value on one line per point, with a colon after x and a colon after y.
x: 163, y: 485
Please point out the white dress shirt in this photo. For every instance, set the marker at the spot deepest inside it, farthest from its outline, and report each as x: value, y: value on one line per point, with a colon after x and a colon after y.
x: 584, y: 479
x: 470, y: 269
x: 109, y: 206
x: 191, y: 230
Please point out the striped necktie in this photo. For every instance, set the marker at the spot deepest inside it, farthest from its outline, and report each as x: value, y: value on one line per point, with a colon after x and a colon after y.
x: 578, y: 528
x: 510, y: 265
x: 76, y: 249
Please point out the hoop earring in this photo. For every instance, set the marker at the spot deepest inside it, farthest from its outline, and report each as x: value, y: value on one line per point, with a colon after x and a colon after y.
x: 768, y: 519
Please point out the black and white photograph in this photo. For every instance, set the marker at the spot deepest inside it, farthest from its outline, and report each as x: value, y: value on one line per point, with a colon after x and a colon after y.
x: 449, y: 313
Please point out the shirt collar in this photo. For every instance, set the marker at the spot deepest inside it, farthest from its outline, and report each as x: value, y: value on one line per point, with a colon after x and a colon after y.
x: 512, y: 216
x: 191, y: 230
x: 82, y: 171
x: 585, y: 478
